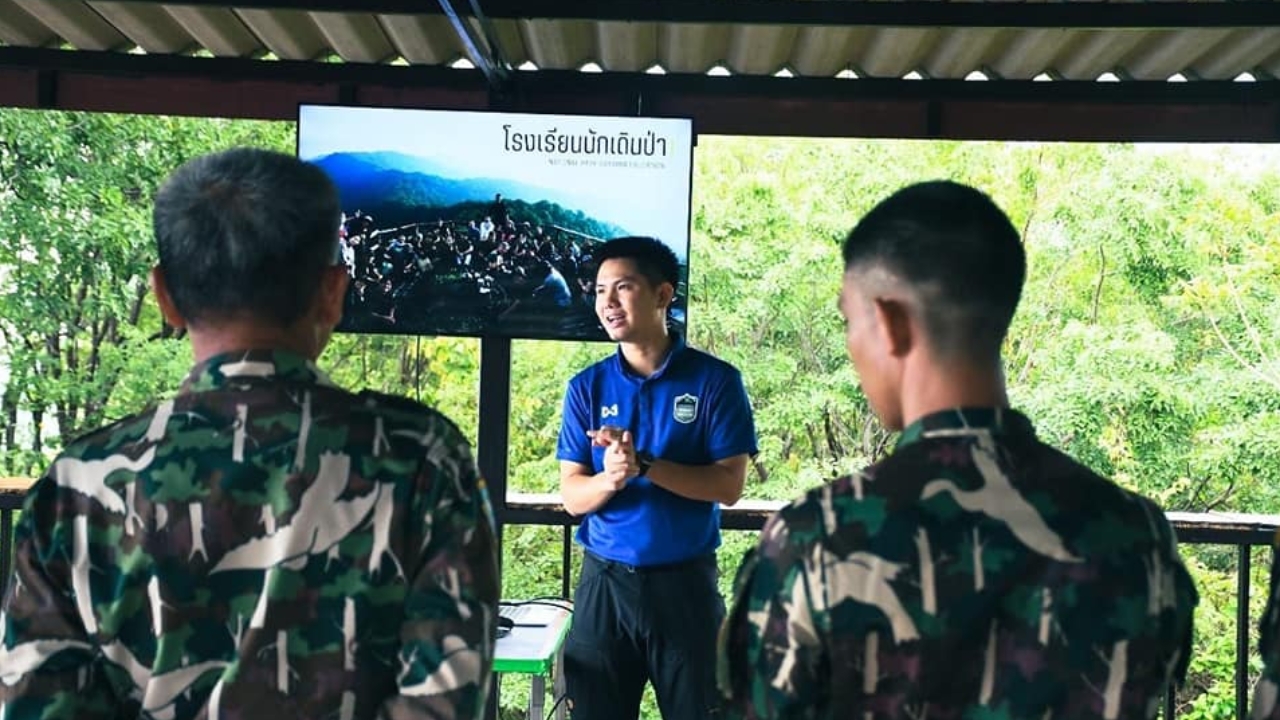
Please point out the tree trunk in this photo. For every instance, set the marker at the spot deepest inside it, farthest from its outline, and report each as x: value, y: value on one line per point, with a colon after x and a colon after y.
x: 37, y: 419
x: 135, y: 312
x: 813, y: 438
x: 833, y: 443
x: 762, y: 472
x: 10, y: 417
x: 410, y: 365
x: 65, y: 412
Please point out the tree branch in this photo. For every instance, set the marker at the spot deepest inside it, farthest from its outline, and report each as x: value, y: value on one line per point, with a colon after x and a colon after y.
x: 813, y: 438
x: 96, y: 338
x: 1226, y: 495
x: 54, y: 349
x: 139, y: 295
x: 762, y: 472
x: 1097, y: 290
x: 11, y: 419
x: 1244, y: 319
x: 1238, y: 357
x: 833, y: 443
x: 81, y: 295
x: 1035, y: 196
x: 1028, y: 362
x: 37, y: 419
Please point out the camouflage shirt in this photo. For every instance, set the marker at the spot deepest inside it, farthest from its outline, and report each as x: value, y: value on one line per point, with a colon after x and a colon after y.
x: 975, y: 573
x: 1267, y: 691
x: 264, y: 545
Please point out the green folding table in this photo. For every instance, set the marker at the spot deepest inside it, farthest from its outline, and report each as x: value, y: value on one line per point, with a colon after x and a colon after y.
x: 534, y: 647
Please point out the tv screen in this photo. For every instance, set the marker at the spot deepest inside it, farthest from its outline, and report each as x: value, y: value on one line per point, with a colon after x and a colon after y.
x: 487, y: 223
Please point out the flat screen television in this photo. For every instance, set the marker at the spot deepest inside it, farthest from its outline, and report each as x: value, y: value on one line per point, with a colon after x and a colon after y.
x: 486, y: 223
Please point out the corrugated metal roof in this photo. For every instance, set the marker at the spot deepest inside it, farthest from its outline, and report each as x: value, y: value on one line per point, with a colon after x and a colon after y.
x: 756, y: 48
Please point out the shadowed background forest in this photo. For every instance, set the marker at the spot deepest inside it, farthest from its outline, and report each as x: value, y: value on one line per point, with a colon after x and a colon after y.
x: 1146, y: 344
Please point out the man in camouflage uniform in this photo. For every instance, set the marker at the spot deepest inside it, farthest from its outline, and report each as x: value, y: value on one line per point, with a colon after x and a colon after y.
x: 1266, y: 694
x: 975, y: 572
x: 265, y: 544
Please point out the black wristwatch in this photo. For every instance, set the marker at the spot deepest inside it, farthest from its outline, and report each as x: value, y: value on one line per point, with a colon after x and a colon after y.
x: 645, y: 460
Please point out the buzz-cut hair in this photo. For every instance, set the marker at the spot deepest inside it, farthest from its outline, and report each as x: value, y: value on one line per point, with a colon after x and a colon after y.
x: 957, y: 251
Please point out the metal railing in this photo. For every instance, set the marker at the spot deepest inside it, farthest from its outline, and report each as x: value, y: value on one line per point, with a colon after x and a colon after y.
x: 12, y: 493
x: 1239, y: 531
x: 1242, y: 532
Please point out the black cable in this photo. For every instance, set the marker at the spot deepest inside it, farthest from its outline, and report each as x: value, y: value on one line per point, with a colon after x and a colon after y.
x: 491, y: 39
x: 552, y: 601
x: 556, y: 704
x: 494, y: 72
x: 549, y: 598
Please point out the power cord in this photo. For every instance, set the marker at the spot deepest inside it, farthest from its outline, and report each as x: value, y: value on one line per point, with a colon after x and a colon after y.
x: 555, y: 602
x: 550, y: 600
x: 556, y: 704
x: 505, y: 625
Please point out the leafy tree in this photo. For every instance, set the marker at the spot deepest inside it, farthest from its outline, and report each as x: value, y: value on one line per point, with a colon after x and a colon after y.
x: 77, y: 325
x: 1146, y: 343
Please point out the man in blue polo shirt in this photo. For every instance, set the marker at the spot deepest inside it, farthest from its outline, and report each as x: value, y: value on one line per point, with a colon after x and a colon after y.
x: 654, y: 438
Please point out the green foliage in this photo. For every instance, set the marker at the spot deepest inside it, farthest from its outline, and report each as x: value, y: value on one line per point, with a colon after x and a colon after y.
x: 1210, y: 693
x: 76, y: 321
x: 1146, y: 344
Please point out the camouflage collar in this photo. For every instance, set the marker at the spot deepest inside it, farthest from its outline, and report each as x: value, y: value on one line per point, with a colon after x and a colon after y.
x: 276, y: 365
x: 965, y: 421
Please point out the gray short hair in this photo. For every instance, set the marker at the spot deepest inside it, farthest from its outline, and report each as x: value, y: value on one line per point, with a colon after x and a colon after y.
x: 246, y: 233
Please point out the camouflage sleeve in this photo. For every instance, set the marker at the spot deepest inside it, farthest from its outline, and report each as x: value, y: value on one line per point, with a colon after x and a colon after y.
x: 770, y: 654
x: 50, y: 664
x: 447, y: 639
x: 1267, y: 690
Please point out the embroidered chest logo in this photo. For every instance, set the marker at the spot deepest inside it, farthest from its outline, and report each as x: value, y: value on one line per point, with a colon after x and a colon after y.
x: 686, y: 409
x: 608, y: 411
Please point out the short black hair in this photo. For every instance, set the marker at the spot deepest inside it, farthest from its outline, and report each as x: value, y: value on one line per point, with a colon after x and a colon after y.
x: 958, y: 250
x: 653, y: 259
x: 246, y: 233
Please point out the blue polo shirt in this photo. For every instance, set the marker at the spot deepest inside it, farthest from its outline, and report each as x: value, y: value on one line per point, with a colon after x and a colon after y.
x: 693, y: 411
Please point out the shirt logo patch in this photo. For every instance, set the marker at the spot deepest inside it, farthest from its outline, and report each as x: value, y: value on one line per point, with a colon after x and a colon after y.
x: 608, y: 411
x: 686, y: 409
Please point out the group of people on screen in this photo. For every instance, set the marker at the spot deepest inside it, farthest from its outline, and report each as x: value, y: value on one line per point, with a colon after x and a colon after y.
x: 266, y: 544
x: 399, y: 268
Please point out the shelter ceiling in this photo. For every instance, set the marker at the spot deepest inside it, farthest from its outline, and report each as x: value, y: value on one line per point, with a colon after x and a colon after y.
x: 1214, y: 40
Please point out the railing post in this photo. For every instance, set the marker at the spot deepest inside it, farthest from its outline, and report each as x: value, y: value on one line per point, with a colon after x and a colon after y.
x: 6, y: 549
x: 1231, y: 530
x: 492, y: 439
x: 566, y: 563
x: 1243, y: 571
x: 494, y: 432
